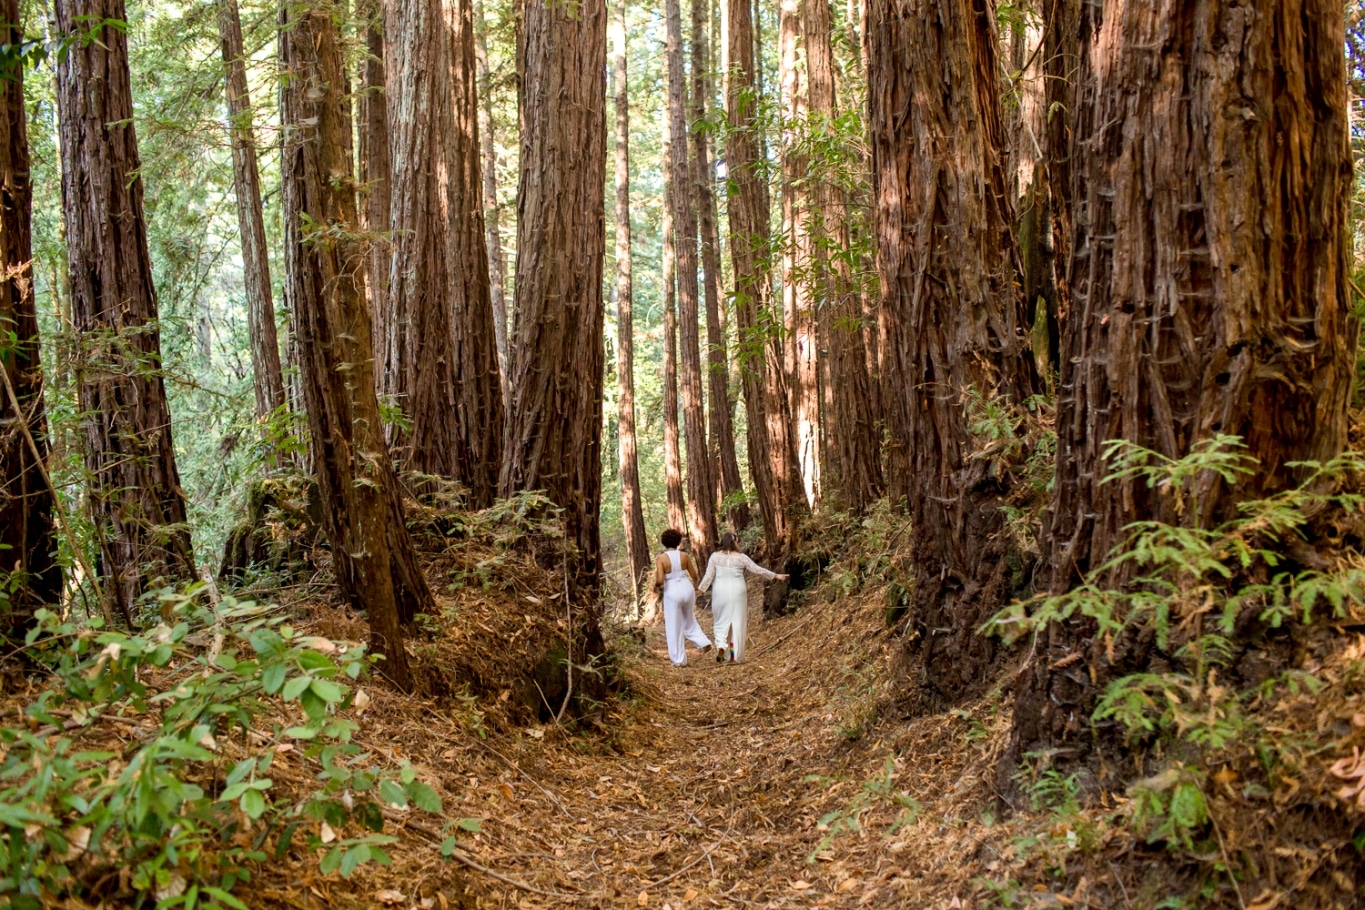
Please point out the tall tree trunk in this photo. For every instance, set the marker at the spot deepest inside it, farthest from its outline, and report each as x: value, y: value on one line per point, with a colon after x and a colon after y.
x: 1209, y: 280
x: 801, y: 224
x: 372, y: 555
x: 955, y: 322
x: 701, y: 486
x: 730, y: 486
x: 632, y: 507
x: 851, y: 475
x: 850, y: 447
x: 478, y: 378
x: 246, y: 178
x: 417, y: 328
x: 28, y: 544
x: 136, y: 502
x: 1060, y: 53
x: 554, y: 427
x: 441, y: 357
x: 673, y: 479
x: 771, y: 440
x: 497, y: 282
x: 376, y: 173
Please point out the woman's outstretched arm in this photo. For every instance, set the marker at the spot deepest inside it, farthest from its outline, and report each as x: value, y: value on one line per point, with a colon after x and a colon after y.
x: 710, y: 574
x: 758, y: 570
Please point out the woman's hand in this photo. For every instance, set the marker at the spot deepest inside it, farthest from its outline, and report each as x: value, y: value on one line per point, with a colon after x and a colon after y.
x: 783, y: 577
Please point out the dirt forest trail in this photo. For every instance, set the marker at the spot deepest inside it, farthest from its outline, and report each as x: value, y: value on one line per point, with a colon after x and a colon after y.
x: 708, y: 789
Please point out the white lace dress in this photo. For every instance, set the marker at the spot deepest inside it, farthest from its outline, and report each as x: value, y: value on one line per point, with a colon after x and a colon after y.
x: 730, y: 598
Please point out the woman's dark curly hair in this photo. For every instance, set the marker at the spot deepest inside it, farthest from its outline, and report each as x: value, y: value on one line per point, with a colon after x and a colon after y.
x: 670, y: 538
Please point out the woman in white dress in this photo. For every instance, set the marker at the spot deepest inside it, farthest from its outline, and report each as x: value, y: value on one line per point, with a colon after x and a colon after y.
x: 730, y: 599
x: 676, y: 574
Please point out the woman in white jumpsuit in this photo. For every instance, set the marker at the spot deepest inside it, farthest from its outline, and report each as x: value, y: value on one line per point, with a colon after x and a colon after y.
x: 730, y: 599
x: 676, y: 574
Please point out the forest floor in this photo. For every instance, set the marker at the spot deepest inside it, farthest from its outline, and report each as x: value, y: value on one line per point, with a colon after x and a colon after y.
x: 784, y: 781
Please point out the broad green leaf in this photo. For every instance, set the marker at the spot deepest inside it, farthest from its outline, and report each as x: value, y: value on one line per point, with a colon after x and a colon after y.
x: 424, y: 797
x: 253, y: 804
x: 392, y: 794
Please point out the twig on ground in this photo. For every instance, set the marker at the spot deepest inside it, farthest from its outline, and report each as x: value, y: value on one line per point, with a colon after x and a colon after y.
x: 509, y: 763
x: 706, y: 854
x: 462, y: 858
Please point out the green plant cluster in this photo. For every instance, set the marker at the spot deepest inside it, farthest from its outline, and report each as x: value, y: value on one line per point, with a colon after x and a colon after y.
x: 1193, y: 589
x: 181, y: 803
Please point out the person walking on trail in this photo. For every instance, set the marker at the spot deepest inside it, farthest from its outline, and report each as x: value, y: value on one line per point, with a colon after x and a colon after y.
x: 730, y: 599
x: 676, y: 574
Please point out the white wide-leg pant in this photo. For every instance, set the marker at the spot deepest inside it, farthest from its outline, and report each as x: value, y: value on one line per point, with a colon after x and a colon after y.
x: 730, y: 607
x: 680, y: 621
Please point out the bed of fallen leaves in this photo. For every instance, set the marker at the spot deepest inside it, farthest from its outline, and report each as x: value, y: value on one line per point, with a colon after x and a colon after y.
x: 790, y: 780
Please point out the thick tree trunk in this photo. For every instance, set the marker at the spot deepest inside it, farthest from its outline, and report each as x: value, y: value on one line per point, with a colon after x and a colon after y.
x: 372, y: 555
x: 632, y: 506
x: 376, y: 174
x: 478, y: 377
x: 771, y: 440
x: 28, y: 544
x: 851, y: 476
x: 798, y: 74
x: 497, y: 281
x: 1026, y: 122
x: 701, y: 485
x: 850, y: 450
x: 955, y: 322
x: 673, y: 478
x: 136, y: 502
x: 417, y: 328
x: 730, y: 486
x: 246, y: 178
x: 1209, y: 280
x: 440, y: 353
x: 554, y: 427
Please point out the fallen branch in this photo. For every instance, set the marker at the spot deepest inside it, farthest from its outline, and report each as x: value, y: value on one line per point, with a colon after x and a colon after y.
x: 663, y: 881
x: 464, y: 859
x: 509, y: 763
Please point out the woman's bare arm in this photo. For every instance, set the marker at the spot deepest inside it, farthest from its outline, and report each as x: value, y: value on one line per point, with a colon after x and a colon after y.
x: 690, y: 566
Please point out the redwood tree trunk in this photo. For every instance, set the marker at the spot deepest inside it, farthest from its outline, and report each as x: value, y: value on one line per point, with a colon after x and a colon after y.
x: 673, y: 478
x: 478, y: 377
x: 701, y: 485
x: 497, y: 282
x: 632, y: 507
x: 372, y: 555
x: 440, y: 353
x: 954, y: 320
x: 771, y: 440
x: 799, y: 72
x: 376, y: 174
x: 554, y: 426
x: 730, y: 486
x: 417, y: 328
x: 850, y: 450
x: 136, y: 502
x: 246, y: 178
x: 28, y: 544
x: 1209, y: 282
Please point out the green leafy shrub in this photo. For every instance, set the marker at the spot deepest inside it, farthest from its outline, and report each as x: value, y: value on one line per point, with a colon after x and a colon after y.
x: 184, y: 806
x: 1196, y: 591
